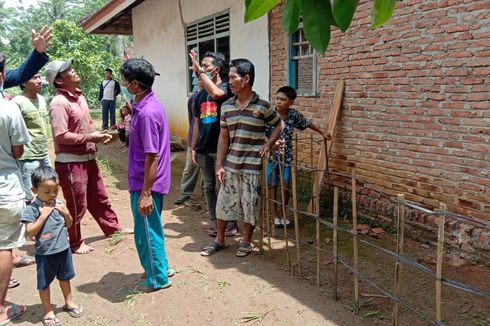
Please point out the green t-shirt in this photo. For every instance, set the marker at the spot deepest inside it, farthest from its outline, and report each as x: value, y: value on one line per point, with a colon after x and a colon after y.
x: 36, y: 117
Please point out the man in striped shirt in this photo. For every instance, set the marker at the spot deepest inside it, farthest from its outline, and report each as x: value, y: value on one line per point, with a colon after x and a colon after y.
x: 241, y: 146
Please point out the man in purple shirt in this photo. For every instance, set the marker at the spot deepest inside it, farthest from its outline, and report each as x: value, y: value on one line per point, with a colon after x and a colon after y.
x: 148, y: 172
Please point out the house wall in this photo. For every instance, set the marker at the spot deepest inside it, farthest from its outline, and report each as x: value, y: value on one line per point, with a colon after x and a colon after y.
x: 416, y: 109
x: 159, y: 36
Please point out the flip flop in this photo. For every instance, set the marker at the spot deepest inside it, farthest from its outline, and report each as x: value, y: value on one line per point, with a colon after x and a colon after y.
x: 212, y: 249
x: 25, y: 261
x: 16, y: 312
x: 141, y: 288
x: 244, y: 249
x: 170, y: 273
x: 50, y: 321
x: 13, y: 283
x: 75, y: 312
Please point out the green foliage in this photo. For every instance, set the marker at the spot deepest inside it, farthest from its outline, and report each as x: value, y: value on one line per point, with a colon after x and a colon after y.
x: 382, y: 11
x: 92, y: 53
x: 343, y: 12
x: 291, y: 17
x: 316, y: 22
x: 257, y: 8
x: 318, y: 16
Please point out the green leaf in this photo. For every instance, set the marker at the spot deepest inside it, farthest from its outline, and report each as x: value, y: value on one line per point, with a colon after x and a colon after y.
x: 292, y: 16
x: 382, y: 11
x: 343, y: 12
x: 316, y: 23
x: 257, y: 8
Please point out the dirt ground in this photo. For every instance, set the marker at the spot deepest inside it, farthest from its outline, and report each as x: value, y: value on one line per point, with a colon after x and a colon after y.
x: 222, y: 289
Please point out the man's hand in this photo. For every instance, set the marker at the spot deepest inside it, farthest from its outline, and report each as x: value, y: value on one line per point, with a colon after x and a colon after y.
x: 194, y: 158
x: 328, y: 136
x: 195, y: 62
x: 100, y: 137
x: 42, y: 40
x: 220, y: 174
x: 145, y: 204
x: 264, y: 150
x: 280, y: 145
x: 45, y: 211
x: 62, y: 209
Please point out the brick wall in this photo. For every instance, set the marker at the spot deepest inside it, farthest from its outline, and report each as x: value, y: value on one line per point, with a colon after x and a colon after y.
x: 416, y: 109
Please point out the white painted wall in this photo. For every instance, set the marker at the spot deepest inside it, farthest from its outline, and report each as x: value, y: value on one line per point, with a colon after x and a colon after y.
x: 159, y: 37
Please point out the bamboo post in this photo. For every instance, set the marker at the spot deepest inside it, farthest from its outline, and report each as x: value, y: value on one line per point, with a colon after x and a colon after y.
x: 262, y: 201
x: 283, y: 208
x: 266, y: 208
x: 311, y: 150
x: 296, y: 222
x: 440, y: 255
x: 334, y: 238
x: 400, y: 234
x: 274, y: 205
x: 354, y: 240
x: 317, y: 220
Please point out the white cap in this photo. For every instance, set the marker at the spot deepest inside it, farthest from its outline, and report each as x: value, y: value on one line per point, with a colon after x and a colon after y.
x: 55, y: 67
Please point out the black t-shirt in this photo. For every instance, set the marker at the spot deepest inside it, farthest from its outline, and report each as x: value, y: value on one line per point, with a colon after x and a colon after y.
x: 208, y: 111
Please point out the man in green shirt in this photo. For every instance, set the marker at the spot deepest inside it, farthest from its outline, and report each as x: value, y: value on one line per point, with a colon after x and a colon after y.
x: 33, y: 108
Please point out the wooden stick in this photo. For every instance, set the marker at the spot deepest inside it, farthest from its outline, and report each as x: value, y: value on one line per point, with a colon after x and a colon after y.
x: 296, y: 220
x: 334, y: 239
x: 369, y: 295
x: 311, y: 150
x: 354, y: 240
x: 440, y: 256
x: 283, y: 208
x: 400, y: 231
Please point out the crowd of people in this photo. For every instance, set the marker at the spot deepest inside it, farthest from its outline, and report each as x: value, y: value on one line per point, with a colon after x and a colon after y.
x: 231, y: 130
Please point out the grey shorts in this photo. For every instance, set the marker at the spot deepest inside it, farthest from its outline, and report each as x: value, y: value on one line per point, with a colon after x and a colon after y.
x: 239, y: 197
x: 11, y: 228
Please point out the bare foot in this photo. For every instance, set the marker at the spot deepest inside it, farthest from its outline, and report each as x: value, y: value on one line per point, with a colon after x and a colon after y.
x: 83, y: 249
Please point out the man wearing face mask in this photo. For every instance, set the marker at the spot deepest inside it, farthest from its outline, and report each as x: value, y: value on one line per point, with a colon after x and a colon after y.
x: 75, y: 140
x: 206, y: 112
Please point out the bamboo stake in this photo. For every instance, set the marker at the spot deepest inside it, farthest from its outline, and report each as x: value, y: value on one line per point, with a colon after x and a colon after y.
x: 440, y: 254
x: 400, y: 234
x: 262, y: 201
x: 354, y: 241
x: 334, y: 239
x: 311, y: 150
x: 283, y: 208
x: 267, y: 213
x: 296, y: 222
x: 318, y: 242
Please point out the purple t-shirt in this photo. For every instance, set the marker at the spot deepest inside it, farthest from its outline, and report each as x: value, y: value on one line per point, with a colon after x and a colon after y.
x: 149, y: 134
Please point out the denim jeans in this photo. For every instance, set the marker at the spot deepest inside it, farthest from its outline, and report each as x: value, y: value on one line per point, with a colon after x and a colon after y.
x: 207, y: 164
x: 26, y: 168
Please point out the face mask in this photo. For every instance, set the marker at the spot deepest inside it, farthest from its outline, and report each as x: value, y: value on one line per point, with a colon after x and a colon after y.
x: 210, y: 74
x: 1, y: 91
x: 127, y: 93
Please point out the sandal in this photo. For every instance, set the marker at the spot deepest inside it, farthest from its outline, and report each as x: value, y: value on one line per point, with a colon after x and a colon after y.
x: 232, y: 230
x: 13, y: 283
x: 51, y: 321
x: 212, y: 249
x: 244, y: 249
x: 170, y: 273
x: 75, y: 312
x: 25, y: 261
x: 141, y: 288
x: 17, y: 310
x: 212, y: 228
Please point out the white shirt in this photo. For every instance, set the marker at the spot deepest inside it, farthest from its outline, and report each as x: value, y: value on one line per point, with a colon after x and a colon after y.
x: 13, y: 131
x: 108, y: 85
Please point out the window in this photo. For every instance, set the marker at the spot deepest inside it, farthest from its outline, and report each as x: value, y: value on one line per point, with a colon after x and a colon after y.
x: 208, y: 34
x: 302, y: 64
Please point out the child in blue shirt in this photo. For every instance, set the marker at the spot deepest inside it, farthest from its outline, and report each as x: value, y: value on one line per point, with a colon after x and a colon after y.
x: 291, y: 118
x: 47, y: 220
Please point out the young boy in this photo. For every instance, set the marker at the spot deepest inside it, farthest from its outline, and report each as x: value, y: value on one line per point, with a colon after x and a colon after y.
x: 47, y: 220
x: 285, y: 97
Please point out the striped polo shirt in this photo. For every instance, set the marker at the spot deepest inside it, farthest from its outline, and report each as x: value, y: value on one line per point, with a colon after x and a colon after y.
x: 247, y: 133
